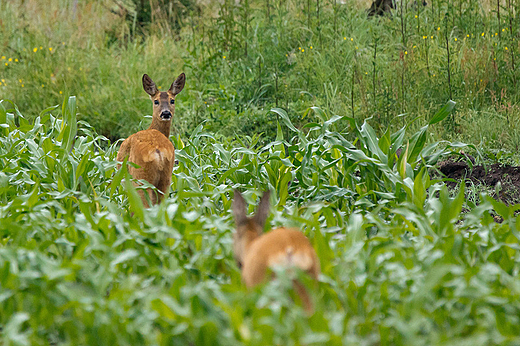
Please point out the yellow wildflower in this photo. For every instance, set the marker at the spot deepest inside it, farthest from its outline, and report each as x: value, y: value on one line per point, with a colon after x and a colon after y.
x: 50, y: 49
x: 35, y: 49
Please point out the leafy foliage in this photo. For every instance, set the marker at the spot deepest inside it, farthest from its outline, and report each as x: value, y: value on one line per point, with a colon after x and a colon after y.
x: 82, y: 263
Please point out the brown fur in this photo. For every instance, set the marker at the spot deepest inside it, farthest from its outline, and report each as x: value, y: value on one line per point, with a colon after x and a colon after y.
x: 256, y: 252
x: 151, y: 149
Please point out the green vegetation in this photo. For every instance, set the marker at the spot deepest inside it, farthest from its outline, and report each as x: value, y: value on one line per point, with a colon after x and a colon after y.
x: 82, y: 262
x: 404, y: 260
x: 243, y: 58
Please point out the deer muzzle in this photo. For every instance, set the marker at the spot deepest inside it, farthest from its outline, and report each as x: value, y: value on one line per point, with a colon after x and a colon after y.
x: 166, y: 115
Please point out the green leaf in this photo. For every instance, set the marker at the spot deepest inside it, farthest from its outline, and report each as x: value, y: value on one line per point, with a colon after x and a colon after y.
x: 124, y: 256
x: 443, y: 112
x: 285, y: 118
x: 68, y: 125
x: 136, y: 204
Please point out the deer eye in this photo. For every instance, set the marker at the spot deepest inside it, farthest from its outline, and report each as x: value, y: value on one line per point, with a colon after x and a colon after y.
x: 172, y: 101
x: 156, y: 102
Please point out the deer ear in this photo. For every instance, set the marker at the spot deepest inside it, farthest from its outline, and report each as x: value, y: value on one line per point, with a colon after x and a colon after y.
x: 149, y: 86
x: 239, y: 208
x: 178, y: 85
x: 262, y: 211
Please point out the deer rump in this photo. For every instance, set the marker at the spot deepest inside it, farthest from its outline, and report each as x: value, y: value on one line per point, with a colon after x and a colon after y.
x: 153, y: 153
x: 287, y: 248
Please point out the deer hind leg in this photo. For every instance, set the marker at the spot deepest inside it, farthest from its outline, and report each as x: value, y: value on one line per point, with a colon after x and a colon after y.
x: 301, y: 291
x: 155, y: 196
x: 148, y: 196
x: 164, y: 187
x: 143, y: 194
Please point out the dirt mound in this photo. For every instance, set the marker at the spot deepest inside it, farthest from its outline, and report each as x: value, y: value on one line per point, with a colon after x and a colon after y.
x: 488, y: 176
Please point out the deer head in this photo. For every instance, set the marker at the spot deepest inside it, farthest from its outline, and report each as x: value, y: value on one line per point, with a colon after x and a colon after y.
x: 163, y: 102
x: 248, y: 228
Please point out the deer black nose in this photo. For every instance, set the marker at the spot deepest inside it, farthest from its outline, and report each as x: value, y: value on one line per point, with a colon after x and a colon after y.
x: 166, y: 114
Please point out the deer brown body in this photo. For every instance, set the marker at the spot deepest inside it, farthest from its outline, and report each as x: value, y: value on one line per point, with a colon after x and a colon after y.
x: 256, y: 252
x: 151, y: 149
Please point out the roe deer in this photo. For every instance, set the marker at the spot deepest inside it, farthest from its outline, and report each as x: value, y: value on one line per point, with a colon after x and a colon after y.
x: 151, y: 149
x: 255, y: 252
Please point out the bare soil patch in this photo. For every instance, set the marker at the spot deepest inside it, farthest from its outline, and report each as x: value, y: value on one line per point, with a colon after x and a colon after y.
x: 488, y: 176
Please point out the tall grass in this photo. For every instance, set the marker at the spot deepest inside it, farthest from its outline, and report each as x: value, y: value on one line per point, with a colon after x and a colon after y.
x: 240, y: 63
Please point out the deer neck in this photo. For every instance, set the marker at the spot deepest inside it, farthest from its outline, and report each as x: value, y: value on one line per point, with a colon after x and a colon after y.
x: 161, y: 126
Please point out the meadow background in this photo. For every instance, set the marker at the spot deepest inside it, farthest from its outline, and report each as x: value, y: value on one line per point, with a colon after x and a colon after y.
x: 344, y: 118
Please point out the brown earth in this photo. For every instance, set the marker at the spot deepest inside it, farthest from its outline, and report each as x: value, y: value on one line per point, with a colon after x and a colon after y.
x: 485, y: 176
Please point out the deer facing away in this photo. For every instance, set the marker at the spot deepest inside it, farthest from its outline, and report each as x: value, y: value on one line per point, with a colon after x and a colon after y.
x: 151, y: 149
x: 255, y: 252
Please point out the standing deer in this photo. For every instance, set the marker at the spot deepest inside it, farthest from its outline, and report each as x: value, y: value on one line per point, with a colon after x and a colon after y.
x: 151, y: 149
x: 256, y: 251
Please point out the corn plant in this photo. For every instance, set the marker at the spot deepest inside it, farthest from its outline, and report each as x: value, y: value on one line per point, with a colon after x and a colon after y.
x: 404, y: 260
